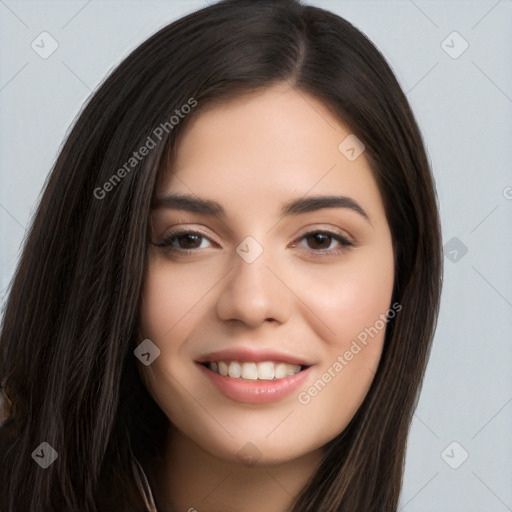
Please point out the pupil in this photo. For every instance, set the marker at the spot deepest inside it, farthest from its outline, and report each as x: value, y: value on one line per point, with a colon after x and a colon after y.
x: 320, y: 241
x: 189, y: 241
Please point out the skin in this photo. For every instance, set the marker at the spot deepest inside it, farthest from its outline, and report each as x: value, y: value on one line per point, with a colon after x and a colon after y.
x: 300, y: 296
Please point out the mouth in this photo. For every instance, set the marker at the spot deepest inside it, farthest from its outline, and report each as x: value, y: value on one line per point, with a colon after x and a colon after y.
x: 257, y: 383
x: 255, y: 375
x: 252, y: 371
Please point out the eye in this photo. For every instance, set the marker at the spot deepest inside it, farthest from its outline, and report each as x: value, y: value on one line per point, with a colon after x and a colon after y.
x: 184, y: 241
x: 325, y: 241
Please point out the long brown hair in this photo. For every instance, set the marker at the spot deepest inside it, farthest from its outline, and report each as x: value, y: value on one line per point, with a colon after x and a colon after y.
x: 71, y: 320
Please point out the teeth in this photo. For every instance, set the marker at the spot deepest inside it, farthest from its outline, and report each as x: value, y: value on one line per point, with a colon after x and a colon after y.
x: 284, y: 370
x: 223, y: 368
x: 249, y: 371
x: 266, y: 370
x: 234, y: 370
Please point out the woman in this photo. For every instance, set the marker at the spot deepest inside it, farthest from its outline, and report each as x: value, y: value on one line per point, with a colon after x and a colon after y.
x: 229, y: 291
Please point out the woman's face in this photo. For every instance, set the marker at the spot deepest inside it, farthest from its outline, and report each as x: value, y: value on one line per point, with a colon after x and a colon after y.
x: 279, y: 260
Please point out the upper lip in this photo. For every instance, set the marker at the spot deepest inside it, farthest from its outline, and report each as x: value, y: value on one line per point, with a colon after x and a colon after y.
x: 248, y: 354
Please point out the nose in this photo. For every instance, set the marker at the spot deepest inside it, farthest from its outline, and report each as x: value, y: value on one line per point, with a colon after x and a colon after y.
x: 253, y: 294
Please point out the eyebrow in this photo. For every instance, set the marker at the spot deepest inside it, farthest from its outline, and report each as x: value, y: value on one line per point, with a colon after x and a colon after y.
x: 296, y: 207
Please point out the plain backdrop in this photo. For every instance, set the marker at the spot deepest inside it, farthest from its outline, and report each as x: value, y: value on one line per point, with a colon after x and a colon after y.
x: 453, y: 60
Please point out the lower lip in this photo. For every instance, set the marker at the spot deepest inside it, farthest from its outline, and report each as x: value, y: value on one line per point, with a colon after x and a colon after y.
x: 257, y: 391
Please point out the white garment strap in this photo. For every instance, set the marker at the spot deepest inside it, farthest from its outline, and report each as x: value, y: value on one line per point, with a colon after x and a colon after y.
x: 143, y: 485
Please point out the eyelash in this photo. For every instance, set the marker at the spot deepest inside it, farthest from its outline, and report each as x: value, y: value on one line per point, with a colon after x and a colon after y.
x: 344, y: 242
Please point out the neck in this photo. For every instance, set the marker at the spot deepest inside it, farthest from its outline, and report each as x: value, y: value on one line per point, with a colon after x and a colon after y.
x: 189, y: 479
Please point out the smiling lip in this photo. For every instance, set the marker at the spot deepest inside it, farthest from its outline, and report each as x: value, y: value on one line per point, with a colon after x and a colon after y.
x: 255, y: 391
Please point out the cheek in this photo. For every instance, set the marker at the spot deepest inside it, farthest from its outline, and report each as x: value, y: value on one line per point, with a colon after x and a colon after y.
x: 165, y: 302
x: 353, y: 303
x: 171, y: 298
x: 173, y: 303
x: 352, y: 297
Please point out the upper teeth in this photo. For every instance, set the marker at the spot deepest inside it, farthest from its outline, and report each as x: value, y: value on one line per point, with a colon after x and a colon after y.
x: 266, y: 370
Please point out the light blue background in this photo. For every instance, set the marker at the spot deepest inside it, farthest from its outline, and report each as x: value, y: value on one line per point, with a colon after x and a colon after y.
x: 464, y: 108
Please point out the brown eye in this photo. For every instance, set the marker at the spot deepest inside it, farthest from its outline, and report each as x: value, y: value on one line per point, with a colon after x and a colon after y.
x: 325, y: 242
x: 319, y: 241
x: 184, y: 240
x: 189, y: 241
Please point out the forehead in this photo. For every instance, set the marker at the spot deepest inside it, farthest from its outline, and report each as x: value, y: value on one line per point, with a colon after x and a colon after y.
x: 268, y: 146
